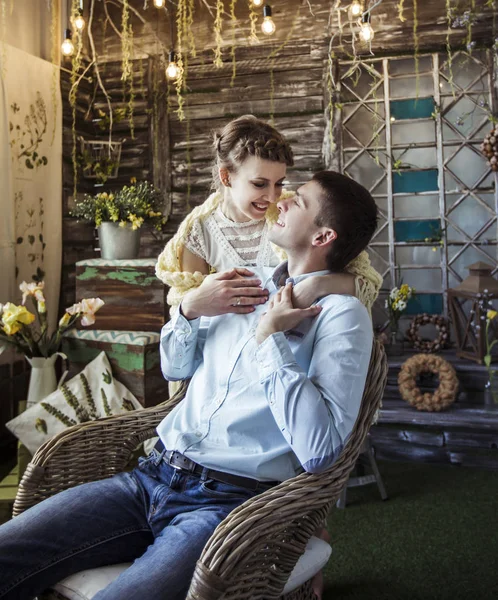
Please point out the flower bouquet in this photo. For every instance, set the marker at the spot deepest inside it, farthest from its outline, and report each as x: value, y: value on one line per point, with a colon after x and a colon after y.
x: 130, y: 207
x: 396, y: 304
x: 17, y: 326
x: 491, y: 389
x: 40, y: 348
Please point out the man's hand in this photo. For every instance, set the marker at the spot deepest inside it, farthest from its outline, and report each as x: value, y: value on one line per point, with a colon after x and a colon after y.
x: 282, y: 315
x: 228, y: 292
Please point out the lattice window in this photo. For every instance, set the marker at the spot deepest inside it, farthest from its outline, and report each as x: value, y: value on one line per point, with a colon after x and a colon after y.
x: 414, y: 143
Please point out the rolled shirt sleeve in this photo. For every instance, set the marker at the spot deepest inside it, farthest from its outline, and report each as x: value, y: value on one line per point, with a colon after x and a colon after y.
x: 180, y: 347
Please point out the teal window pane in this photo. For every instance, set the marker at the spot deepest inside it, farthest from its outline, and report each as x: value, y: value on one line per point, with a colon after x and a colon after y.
x: 410, y: 182
x: 416, y: 231
x: 425, y: 303
x: 416, y: 108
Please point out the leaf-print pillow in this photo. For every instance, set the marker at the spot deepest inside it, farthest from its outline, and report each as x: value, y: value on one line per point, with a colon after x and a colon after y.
x: 91, y: 394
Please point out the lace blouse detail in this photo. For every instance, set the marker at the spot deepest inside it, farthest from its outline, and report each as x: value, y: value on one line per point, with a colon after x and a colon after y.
x: 223, y: 243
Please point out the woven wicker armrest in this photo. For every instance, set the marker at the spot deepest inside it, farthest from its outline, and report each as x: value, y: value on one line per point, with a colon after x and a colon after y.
x: 253, y: 551
x: 88, y: 452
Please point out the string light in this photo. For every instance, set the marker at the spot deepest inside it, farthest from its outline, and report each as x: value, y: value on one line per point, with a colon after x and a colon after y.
x: 366, y: 31
x: 257, y: 2
x: 172, y: 70
x: 159, y: 3
x: 355, y: 10
x: 79, y: 21
x: 267, y: 26
x: 67, y: 47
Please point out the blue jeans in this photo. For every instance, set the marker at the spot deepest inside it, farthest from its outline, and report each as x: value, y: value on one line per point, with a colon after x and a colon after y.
x: 156, y: 516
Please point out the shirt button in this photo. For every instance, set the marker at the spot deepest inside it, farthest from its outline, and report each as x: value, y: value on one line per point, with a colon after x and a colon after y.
x: 198, y: 434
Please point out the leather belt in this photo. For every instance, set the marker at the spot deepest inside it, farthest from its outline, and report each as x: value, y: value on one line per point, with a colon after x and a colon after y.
x: 183, y: 463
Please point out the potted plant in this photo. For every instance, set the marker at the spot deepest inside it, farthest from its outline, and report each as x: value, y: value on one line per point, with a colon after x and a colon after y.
x: 120, y: 215
x: 28, y: 333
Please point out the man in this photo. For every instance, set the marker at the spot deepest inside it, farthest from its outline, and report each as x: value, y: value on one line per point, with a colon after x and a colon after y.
x: 273, y: 391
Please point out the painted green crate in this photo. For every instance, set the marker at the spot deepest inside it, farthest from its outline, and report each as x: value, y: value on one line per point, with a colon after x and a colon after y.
x: 135, y: 299
x: 134, y: 357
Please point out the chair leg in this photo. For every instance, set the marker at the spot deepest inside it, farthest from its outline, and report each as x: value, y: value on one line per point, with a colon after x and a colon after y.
x: 375, y: 469
x: 341, y: 501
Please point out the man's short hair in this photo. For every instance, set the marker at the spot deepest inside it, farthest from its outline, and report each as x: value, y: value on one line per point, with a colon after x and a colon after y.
x: 349, y: 209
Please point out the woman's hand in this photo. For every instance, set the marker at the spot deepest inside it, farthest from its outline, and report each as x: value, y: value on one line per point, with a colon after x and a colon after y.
x: 313, y: 288
x: 231, y: 291
x: 282, y: 315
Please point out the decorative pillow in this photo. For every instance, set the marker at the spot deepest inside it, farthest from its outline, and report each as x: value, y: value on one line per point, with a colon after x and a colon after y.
x: 91, y: 394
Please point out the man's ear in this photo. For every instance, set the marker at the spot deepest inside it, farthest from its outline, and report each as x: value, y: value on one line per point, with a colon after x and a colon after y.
x: 324, y: 237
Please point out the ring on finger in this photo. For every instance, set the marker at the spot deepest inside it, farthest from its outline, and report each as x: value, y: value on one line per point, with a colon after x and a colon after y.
x: 237, y: 302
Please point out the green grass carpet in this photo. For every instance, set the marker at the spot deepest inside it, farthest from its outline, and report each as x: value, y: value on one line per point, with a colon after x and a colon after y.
x: 435, y: 538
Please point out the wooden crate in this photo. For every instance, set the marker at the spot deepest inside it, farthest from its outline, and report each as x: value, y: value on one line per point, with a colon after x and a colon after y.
x: 134, y: 358
x: 135, y: 299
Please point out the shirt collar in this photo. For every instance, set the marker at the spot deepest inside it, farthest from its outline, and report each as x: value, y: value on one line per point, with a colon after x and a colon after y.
x: 281, y: 276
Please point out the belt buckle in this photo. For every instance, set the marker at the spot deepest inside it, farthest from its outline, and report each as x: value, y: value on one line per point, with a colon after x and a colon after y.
x: 189, y: 467
x: 169, y: 461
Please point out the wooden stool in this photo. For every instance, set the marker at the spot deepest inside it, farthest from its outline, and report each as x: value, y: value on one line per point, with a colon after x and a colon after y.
x: 366, y: 457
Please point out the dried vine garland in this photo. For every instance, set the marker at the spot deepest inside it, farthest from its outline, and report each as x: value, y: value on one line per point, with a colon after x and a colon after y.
x: 490, y: 148
x: 442, y: 397
x: 441, y: 325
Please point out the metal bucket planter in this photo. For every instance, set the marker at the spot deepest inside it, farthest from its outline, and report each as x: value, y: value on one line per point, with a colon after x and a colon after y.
x: 118, y: 242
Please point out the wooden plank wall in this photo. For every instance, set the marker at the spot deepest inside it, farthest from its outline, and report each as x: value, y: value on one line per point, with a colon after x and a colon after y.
x: 310, y: 19
x: 211, y: 102
x: 80, y: 239
x: 158, y: 152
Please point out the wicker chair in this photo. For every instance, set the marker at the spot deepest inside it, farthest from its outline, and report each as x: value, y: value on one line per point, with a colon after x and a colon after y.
x: 253, y: 551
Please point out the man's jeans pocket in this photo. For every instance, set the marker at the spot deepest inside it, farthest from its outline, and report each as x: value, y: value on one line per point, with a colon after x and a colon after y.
x: 221, y: 491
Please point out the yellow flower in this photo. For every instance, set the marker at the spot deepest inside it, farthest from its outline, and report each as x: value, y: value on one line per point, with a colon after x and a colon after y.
x: 65, y: 320
x: 136, y: 222
x: 32, y: 289
x: 491, y: 314
x: 133, y: 180
x: 14, y: 317
x: 123, y: 223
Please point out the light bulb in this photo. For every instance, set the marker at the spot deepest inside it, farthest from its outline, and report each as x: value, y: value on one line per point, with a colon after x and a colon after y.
x: 355, y: 9
x: 172, y: 70
x: 159, y: 3
x: 79, y: 22
x: 257, y: 2
x: 267, y: 26
x: 366, y: 32
x: 67, y: 47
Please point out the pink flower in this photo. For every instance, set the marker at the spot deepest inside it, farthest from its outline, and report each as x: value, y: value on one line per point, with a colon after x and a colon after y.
x: 87, y: 309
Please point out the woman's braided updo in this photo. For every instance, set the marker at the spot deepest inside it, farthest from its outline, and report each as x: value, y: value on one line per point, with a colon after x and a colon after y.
x: 244, y: 137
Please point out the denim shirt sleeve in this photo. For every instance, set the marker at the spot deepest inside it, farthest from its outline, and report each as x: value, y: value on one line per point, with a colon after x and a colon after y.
x: 181, y: 347
x: 316, y: 410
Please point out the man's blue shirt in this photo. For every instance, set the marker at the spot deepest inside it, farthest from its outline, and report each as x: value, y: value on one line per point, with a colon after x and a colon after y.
x: 267, y: 411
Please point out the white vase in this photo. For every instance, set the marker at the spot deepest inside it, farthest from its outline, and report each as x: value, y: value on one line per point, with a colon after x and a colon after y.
x: 42, y: 381
x: 118, y: 242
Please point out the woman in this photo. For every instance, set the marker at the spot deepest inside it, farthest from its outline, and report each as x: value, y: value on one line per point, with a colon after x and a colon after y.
x: 230, y: 228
